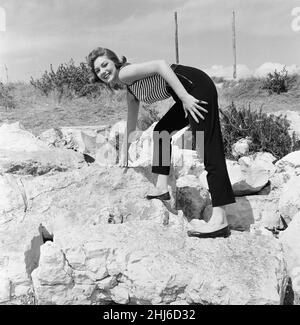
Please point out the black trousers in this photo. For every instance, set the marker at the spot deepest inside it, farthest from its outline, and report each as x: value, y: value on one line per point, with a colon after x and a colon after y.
x: 199, y: 85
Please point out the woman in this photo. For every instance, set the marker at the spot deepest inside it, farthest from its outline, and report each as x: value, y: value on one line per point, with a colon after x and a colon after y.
x: 190, y: 88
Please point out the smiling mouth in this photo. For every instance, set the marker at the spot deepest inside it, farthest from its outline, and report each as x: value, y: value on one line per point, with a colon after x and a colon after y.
x: 106, y: 76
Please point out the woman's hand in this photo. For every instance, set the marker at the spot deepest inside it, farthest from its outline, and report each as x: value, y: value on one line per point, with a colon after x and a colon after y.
x: 191, y: 105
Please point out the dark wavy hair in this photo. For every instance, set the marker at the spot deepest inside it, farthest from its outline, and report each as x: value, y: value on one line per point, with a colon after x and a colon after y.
x: 100, y: 51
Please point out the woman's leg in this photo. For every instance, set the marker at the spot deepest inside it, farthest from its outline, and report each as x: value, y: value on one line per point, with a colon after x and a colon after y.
x: 169, y: 124
x: 214, y: 161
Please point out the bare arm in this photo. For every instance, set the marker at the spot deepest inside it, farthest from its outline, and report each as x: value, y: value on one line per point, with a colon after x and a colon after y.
x: 137, y: 71
x: 132, y: 117
x: 132, y: 113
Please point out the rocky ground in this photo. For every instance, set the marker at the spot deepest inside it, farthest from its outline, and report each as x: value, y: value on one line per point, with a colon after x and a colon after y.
x: 75, y: 228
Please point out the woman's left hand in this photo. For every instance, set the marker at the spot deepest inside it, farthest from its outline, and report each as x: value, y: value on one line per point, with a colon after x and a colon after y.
x: 191, y: 105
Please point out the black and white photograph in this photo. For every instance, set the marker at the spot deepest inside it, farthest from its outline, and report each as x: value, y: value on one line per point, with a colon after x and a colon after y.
x: 149, y: 155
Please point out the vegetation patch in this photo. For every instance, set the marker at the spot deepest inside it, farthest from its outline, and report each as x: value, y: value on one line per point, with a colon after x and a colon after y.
x: 6, y: 98
x: 268, y: 133
x: 276, y: 82
x: 69, y: 81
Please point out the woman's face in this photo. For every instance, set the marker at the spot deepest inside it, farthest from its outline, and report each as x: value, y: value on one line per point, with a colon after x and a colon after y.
x: 105, y: 69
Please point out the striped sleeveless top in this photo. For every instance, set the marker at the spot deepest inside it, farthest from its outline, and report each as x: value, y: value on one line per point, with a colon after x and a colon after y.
x: 150, y: 89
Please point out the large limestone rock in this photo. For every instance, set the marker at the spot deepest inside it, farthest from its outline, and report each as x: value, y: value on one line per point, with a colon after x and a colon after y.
x: 191, y: 197
x: 142, y: 256
x: 107, y: 244
x: 261, y: 210
x: 289, y: 164
x: 141, y: 150
x: 147, y: 263
x: 186, y: 162
x: 14, y: 137
x: 195, y: 202
x: 109, y: 144
x: 291, y: 245
x: 249, y: 175
x: 22, y: 153
x: 102, y: 143
x: 241, y: 147
x: 289, y: 202
x: 79, y: 138
x: 87, y: 196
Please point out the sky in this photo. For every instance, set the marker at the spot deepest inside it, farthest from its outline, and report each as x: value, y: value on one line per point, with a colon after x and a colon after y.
x: 37, y: 33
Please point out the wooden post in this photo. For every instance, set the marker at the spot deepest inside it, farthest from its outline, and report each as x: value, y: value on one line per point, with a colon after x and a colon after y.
x: 176, y: 39
x: 234, y: 45
x: 6, y: 70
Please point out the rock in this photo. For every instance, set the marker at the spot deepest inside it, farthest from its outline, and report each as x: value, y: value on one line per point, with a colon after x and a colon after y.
x: 4, y: 289
x: 13, y: 137
x: 157, y: 265
x: 53, y: 138
x: 248, y: 210
x: 191, y: 197
x: 186, y: 162
x: 39, y: 162
x: 120, y: 294
x: 257, y: 169
x: 108, y: 145
x: 83, y: 138
x: 13, y: 201
x: 289, y: 164
x: 241, y: 147
x: 291, y: 245
x: 88, y: 196
x: 117, y: 131
x: 257, y: 229
x: 141, y: 150
x: 53, y: 267
x: 249, y: 175
x: 79, y: 138
x: 289, y: 201
x: 106, y: 153
x: 88, y: 236
x: 22, y: 153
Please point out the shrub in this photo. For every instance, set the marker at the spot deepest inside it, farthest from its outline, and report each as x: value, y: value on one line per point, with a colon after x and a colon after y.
x: 68, y: 80
x: 6, y: 99
x: 276, y: 82
x: 269, y: 133
x: 90, y: 90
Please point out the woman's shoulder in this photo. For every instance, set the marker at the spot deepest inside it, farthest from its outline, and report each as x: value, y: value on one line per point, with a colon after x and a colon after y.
x: 121, y: 79
x: 125, y: 65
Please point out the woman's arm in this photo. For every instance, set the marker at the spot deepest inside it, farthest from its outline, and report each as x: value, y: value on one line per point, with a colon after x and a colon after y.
x: 137, y: 71
x: 132, y: 117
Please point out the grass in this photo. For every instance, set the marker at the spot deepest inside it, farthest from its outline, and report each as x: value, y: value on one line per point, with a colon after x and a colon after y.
x: 249, y: 91
x: 38, y: 112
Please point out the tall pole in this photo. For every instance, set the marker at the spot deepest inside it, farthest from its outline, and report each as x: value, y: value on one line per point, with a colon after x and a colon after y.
x: 6, y: 70
x: 234, y: 45
x: 176, y: 39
